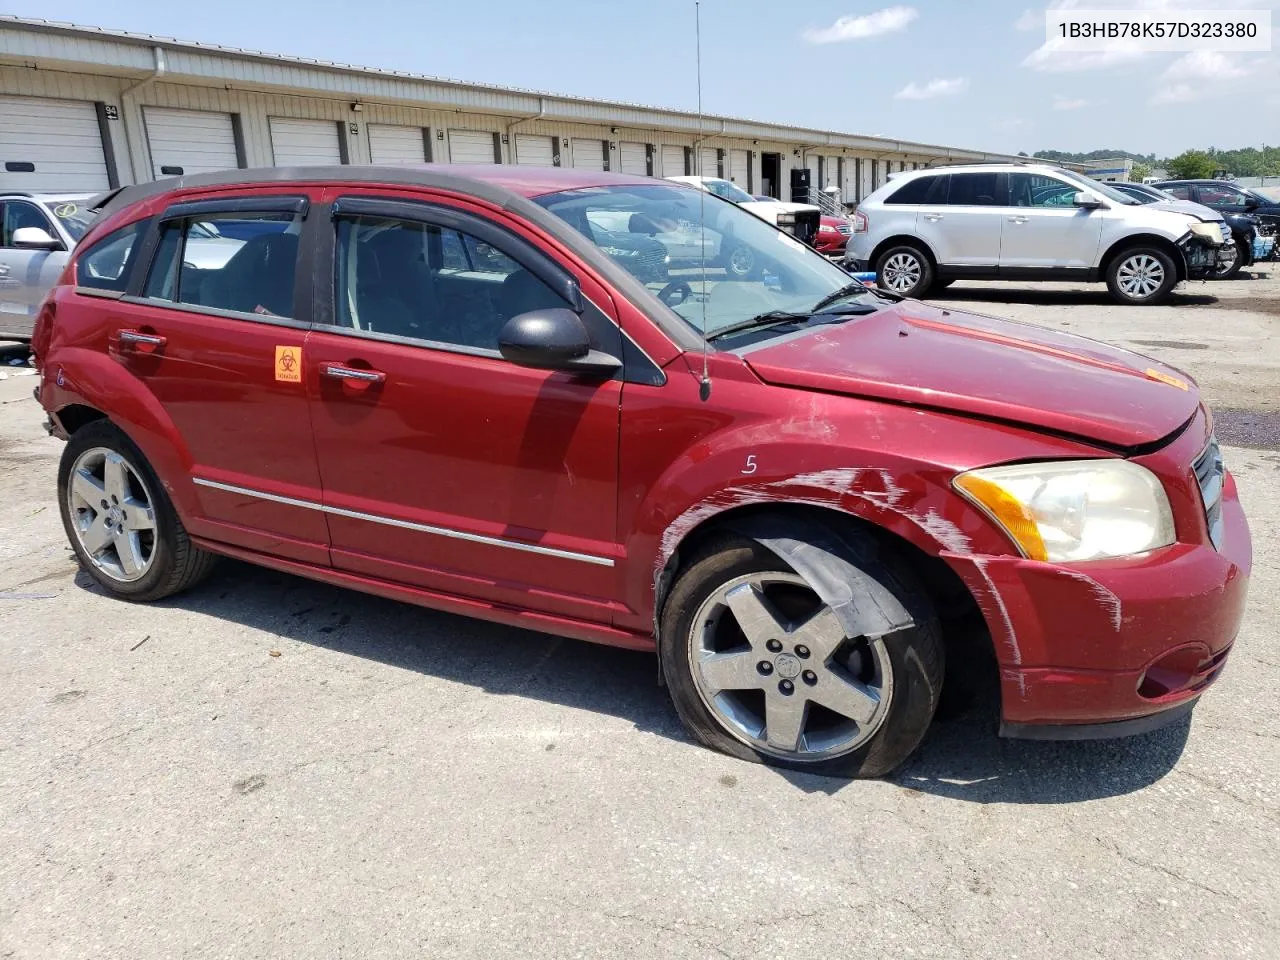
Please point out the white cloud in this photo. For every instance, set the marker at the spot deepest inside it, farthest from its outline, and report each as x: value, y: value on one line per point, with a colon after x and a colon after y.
x: 1206, y: 74
x: 1068, y: 103
x: 888, y: 20
x: 1050, y: 58
x: 934, y: 88
x: 1205, y: 65
x: 1029, y: 20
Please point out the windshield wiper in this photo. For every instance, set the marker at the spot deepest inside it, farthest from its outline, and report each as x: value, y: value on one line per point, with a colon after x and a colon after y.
x: 851, y: 289
x: 769, y: 319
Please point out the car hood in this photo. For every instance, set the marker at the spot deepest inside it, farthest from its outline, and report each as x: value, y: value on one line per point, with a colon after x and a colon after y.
x: 1197, y: 210
x: 916, y: 354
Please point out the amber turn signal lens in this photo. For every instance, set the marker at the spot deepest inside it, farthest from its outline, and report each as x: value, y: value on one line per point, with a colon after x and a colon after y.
x: 1006, y: 510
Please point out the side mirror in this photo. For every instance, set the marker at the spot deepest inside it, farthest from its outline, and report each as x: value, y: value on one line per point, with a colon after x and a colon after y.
x: 1251, y: 204
x: 1086, y: 200
x: 34, y: 238
x: 552, y: 339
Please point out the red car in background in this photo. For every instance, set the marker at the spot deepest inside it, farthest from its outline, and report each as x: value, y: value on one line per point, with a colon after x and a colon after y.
x: 446, y: 385
x: 833, y: 235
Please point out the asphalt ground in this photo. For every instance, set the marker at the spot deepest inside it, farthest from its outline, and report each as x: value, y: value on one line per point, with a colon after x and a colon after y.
x: 266, y: 767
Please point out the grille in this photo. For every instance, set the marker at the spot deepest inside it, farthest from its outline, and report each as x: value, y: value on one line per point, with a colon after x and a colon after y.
x: 1210, y: 475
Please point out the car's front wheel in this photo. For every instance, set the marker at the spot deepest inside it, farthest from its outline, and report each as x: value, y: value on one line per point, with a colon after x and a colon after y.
x: 121, y: 523
x: 905, y: 270
x: 761, y: 668
x: 740, y: 262
x: 1226, y: 269
x: 1141, y: 275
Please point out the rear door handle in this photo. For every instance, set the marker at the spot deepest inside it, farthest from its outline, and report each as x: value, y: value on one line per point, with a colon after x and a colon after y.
x: 1017, y: 219
x: 339, y: 372
x: 142, y: 342
x: 933, y: 217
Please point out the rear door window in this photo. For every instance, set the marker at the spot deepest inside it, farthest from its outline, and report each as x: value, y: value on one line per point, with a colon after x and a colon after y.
x: 208, y: 262
x: 977, y: 190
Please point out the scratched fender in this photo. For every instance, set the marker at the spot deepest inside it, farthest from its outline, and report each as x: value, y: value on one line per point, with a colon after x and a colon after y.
x: 103, y: 384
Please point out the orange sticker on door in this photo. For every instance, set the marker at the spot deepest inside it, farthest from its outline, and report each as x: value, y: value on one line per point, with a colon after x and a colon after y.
x: 289, y: 364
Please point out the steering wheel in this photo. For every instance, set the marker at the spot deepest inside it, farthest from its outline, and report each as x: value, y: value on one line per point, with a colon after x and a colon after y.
x: 667, y: 293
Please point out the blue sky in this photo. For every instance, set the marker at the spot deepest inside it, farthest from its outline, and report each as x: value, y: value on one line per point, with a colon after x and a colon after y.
x: 941, y: 71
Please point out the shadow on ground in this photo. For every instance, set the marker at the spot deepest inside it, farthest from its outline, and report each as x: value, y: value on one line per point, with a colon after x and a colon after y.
x: 961, y: 758
x: 1097, y: 296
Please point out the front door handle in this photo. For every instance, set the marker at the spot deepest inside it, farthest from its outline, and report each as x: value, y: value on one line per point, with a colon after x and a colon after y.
x: 142, y: 342
x: 339, y: 372
x: 933, y: 217
x: 1017, y: 219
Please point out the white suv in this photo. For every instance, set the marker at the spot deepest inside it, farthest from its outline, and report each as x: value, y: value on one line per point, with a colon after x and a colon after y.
x: 926, y: 228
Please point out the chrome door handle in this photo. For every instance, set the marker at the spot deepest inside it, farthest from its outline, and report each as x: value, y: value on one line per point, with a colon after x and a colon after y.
x: 1017, y: 219
x: 933, y: 217
x: 145, y: 339
x: 4, y: 269
x: 339, y: 372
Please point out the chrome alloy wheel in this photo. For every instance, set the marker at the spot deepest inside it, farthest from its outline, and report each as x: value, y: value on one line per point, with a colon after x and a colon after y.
x: 112, y: 514
x: 741, y: 261
x: 902, y: 272
x: 772, y: 662
x: 1226, y: 266
x: 1140, y: 276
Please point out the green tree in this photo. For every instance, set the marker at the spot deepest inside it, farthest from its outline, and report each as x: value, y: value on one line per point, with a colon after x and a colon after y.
x: 1192, y: 165
x: 1139, y: 172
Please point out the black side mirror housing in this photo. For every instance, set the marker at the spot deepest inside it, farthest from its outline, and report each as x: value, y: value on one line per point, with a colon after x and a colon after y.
x: 553, y: 339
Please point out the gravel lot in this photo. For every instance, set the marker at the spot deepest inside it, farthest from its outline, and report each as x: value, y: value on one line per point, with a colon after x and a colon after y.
x: 270, y: 768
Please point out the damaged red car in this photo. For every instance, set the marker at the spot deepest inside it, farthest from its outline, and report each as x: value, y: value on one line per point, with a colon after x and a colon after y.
x: 817, y: 502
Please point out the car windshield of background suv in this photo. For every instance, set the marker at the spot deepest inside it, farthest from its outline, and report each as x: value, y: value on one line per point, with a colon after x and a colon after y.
x: 788, y: 276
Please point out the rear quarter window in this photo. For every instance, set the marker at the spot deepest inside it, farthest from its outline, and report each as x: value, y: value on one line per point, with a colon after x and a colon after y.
x: 105, y: 264
x: 921, y: 190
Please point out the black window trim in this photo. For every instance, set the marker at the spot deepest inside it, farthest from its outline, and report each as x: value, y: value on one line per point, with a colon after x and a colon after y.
x: 637, y: 366
x: 290, y: 204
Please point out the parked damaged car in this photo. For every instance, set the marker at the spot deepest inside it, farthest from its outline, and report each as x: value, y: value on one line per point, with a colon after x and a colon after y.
x: 820, y: 504
x: 927, y: 228
x: 1254, y: 218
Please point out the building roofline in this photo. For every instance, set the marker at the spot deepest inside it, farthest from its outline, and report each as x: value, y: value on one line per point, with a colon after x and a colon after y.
x: 199, y: 64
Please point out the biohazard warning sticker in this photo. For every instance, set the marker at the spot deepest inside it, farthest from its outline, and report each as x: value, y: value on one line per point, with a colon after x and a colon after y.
x: 289, y: 364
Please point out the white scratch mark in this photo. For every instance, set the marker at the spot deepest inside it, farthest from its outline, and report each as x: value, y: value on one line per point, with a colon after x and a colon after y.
x: 945, y: 532
x: 1109, y: 600
x: 1012, y: 638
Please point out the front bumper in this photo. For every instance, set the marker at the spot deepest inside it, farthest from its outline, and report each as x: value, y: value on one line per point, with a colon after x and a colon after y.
x: 1201, y: 257
x: 1106, y: 648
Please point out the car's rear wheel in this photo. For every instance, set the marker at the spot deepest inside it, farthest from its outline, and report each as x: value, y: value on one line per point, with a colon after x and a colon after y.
x: 905, y: 270
x: 121, y: 523
x: 760, y: 667
x: 1226, y: 270
x: 1141, y: 275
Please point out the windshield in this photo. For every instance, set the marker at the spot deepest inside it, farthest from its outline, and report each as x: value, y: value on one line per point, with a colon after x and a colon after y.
x: 74, y: 218
x: 728, y: 190
x: 751, y: 267
x: 1111, y: 193
x: 1266, y: 194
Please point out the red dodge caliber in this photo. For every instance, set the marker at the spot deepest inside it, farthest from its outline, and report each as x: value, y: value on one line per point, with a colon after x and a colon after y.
x: 816, y: 502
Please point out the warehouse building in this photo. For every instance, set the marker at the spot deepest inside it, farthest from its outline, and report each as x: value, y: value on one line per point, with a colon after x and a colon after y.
x: 83, y: 109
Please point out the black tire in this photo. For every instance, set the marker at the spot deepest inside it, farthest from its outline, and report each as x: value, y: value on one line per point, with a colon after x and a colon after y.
x: 1133, y: 255
x: 915, y: 656
x: 1237, y: 264
x: 740, y: 262
x: 176, y: 564
x: 900, y: 265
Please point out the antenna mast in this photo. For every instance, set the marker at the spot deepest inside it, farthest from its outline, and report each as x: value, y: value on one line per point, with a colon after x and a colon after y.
x: 704, y: 388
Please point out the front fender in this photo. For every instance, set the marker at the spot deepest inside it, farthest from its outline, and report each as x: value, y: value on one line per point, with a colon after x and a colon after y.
x: 103, y: 384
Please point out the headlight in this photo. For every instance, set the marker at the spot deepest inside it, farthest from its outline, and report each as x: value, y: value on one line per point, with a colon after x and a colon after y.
x: 1074, y: 510
x: 1208, y: 231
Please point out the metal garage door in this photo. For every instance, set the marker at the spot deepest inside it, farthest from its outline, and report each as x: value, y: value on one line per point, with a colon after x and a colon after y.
x: 740, y: 168
x: 393, y: 145
x: 52, y: 146
x: 189, y: 141
x: 672, y: 161
x: 708, y: 163
x: 304, y: 143
x: 534, y: 151
x: 470, y: 146
x: 633, y: 158
x: 588, y: 154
